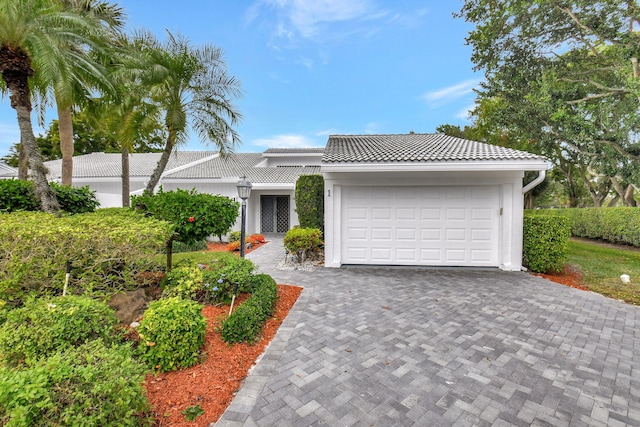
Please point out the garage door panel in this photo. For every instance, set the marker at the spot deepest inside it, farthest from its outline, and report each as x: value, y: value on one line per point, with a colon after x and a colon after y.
x: 357, y: 233
x: 406, y: 234
x: 381, y: 255
x: 454, y: 226
x: 378, y: 233
x: 381, y: 214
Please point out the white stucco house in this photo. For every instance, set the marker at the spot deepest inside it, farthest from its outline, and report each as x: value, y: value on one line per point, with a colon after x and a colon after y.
x: 408, y: 199
x: 7, y: 172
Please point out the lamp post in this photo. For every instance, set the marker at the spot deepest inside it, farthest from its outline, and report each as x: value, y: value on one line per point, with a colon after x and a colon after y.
x: 244, y: 191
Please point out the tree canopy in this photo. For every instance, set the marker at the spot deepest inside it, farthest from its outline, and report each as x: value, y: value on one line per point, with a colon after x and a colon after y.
x: 564, y: 76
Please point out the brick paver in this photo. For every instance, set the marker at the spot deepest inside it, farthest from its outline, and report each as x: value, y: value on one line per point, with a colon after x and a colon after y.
x: 442, y: 347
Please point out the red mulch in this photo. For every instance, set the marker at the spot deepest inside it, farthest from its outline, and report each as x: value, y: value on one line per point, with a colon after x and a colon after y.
x: 224, y: 247
x: 568, y: 277
x: 213, y: 383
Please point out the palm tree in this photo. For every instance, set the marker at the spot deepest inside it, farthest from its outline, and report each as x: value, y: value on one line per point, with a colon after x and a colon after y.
x: 79, y: 79
x: 194, y: 90
x: 34, y: 36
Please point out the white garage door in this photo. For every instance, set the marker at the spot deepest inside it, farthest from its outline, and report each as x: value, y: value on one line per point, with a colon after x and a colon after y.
x: 443, y: 226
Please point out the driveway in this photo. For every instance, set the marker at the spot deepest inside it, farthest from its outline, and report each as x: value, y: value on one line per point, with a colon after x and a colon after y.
x: 442, y: 347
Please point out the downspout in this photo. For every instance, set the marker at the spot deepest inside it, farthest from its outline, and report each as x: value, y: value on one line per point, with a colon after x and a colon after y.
x: 530, y: 186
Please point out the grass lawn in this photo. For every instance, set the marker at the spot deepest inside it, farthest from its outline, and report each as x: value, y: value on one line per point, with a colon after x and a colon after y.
x: 198, y: 257
x: 602, y: 267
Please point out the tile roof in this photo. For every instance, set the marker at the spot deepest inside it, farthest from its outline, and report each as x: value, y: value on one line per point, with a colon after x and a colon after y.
x: 108, y: 165
x: 243, y: 164
x: 7, y: 171
x: 294, y: 151
x: 415, y: 147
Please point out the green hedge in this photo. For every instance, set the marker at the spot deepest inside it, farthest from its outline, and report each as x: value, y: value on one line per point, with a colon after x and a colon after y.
x: 619, y: 225
x: 302, y: 242
x: 545, y: 240
x: 310, y: 201
x: 171, y: 334
x: 17, y: 195
x: 45, y: 326
x: 106, y: 248
x: 91, y: 385
x: 246, y: 322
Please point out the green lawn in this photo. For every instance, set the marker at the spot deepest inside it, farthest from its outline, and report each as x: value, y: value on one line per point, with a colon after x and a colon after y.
x: 602, y: 267
x: 197, y: 257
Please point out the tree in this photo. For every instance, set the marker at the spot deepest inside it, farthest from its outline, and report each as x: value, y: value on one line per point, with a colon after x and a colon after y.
x: 567, y: 77
x: 76, y: 82
x: 193, y: 89
x: 34, y: 35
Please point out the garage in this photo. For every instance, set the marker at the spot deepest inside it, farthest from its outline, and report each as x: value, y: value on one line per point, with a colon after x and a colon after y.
x: 432, y: 226
x: 424, y: 200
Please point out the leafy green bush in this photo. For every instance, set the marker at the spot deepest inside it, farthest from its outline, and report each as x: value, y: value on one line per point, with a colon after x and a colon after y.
x: 199, y: 245
x: 184, y: 281
x: 310, y: 201
x: 75, y: 200
x: 17, y: 195
x: 545, y: 242
x: 171, y: 334
x: 616, y: 225
x: 246, y: 322
x: 194, y: 215
x: 303, y: 241
x: 235, y: 236
x: 107, y: 248
x: 231, y: 270
x: 91, y: 385
x: 44, y: 326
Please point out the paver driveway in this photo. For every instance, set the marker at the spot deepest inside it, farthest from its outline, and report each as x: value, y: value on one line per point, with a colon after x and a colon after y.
x: 440, y: 347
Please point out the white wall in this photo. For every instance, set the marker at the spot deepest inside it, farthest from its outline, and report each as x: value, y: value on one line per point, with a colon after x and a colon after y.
x: 509, y: 182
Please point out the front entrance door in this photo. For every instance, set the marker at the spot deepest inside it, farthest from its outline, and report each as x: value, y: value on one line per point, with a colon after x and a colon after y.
x: 274, y: 214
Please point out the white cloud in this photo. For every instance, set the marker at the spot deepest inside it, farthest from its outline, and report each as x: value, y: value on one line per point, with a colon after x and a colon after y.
x: 305, y: 17
x: 450, y: 93
x: 465, y: 114
x: 287, y: 141
x: 327, y: 132
x: 372, y: 128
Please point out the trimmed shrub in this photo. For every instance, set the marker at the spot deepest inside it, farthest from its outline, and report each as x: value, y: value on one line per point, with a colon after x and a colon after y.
x: 246, y: 322
x: 45, y: 326
x: 545, y: 242
x: 171, y: 334
x: 75, y: 200
x: 619, y: 225
x: 194, y: 215
x: 17, y: 195
x: 256, y: 238
x: 184, y: 282
x: 107, y: 249
x: 310, y: 201
x: 231, y: 270
x: 91, y: 385
x: 178, y: 247
x: 302, y: 242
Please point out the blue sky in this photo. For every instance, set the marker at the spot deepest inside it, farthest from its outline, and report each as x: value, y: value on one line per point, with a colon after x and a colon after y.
x: 311, y: 68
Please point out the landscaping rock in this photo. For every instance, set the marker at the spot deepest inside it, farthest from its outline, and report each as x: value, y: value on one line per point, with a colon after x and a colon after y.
x: 129, y: 306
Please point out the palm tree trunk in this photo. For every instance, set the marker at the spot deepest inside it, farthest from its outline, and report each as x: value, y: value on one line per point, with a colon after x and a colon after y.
x: 16, y: 70
x: 38, y: 170
x: 65, y: 128
x: 162, y: 163
x: 126, y: 187
x: 23, y: 163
